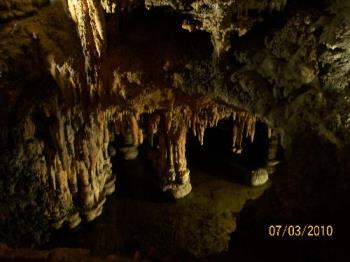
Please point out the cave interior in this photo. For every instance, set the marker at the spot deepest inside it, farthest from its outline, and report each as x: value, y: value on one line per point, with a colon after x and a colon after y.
x: 174, y: 130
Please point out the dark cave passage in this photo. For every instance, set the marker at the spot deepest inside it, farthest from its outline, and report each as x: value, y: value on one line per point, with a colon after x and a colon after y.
x: 217, y: 150
x: 215, y: 156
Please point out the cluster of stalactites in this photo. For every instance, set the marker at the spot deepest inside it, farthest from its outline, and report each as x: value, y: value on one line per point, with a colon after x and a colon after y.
x: 243, y: 123
x: 172, y: 122
x: 89, y: 18
x: 79, y: 167
x: 127, y: 123
x: 211, y: 16
x: 198, y: 119
x: 208, y: 116
x: 173, y: 125
x: 92, y: 26
x: 222, y: 18
x: 243, y: 127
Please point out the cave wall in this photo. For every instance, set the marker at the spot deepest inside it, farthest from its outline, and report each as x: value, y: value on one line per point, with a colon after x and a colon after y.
x: 12, y: 9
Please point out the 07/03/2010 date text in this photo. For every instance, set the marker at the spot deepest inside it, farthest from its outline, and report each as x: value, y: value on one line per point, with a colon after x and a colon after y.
x: 309, y: 231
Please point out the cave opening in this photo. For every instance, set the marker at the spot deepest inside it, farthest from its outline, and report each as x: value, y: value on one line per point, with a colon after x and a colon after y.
x: 136, y: 176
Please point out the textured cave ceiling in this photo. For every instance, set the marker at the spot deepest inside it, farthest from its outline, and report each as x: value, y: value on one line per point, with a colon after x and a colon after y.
x: 75, y: 72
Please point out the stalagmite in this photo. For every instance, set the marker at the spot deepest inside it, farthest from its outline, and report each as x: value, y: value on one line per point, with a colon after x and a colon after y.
x: 259, y: 177
x: 152, y: 128
x: 238, y: 135
x: 129, y: 149
x: 81, y: 168
x: 172, y: 164
x: 272, y: 154
x: 135, y: 131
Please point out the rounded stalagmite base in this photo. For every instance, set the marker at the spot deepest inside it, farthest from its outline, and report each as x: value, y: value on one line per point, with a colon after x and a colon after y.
x: 259, y: 177
x: 96, y: 211
x: 178, y: 190
x: 178, y: 187
x: 74, y: 220
x: 129, y: 152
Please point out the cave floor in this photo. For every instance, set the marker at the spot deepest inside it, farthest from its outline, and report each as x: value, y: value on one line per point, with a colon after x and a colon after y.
x: 137, y: 217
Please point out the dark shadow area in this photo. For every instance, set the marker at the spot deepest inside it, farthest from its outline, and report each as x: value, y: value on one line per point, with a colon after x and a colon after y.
x: 309, y: 189
x: 215, y: 156
x: 158, y: 34
x: 137, y: 179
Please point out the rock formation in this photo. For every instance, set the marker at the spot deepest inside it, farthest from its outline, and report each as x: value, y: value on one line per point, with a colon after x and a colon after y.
x: 78, y: 72
x: 11, y: 9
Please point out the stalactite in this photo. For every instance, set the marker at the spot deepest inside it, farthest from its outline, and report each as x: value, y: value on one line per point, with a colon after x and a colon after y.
x: 90, y: 21
x: 252, y: 129
x: 244, y: 126
x: 200, y: 132
x: 152, y: 127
